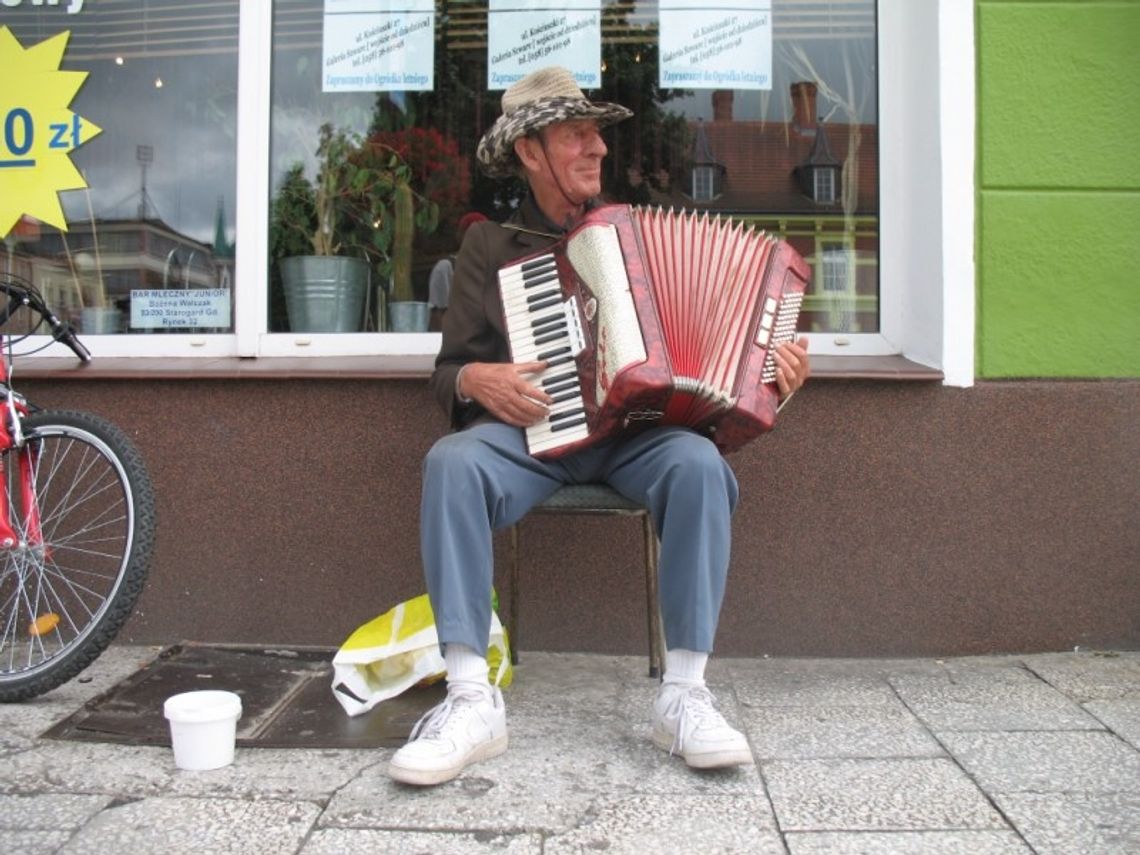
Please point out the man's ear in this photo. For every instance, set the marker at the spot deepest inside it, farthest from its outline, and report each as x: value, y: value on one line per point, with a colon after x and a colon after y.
x: 525, y: 152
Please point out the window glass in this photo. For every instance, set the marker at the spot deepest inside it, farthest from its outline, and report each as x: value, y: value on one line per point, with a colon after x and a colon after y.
x: 149, y: 243
x: 799, y: 158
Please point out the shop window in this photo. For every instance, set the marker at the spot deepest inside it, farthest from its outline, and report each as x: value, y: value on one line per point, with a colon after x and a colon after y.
x: 168, y: 211
x: 148, y: 245
x: 677, y: 151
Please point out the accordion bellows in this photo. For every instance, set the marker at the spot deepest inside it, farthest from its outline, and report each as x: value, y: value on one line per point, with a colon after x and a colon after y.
x: 650, y: 317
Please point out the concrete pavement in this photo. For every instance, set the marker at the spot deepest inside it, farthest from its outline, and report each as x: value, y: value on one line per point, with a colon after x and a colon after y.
x: 1017, y: 754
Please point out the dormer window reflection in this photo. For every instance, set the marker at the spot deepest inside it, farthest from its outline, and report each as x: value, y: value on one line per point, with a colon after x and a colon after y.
x: 818, y: 176
x: 706, y: 176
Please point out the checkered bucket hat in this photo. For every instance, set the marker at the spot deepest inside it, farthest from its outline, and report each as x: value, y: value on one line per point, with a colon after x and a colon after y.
x: 541, y: 98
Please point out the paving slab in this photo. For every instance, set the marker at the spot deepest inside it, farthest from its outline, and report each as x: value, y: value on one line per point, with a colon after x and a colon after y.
x: 49, y: 812
x: 1062, y: 823
x: 876, y: 795
x: 907, y: 843
x: 338, y: 841
x: 1091, y: 762
x: 537, y: 785
x: 990, y: 697
x: 834, y: 731
x: 639, y: 824
x: 803, y: 682
x: 1121, y: 716
x: 43, y: 823
x: 1090, y: 676
x: 188, y: 826
x: 141, y: 771
x: 33, y: 841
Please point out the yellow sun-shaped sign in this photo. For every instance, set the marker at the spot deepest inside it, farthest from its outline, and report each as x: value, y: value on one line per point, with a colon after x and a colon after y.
x: 38, y: 131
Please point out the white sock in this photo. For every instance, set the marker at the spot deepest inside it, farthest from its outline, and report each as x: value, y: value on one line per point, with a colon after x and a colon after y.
x: 685, y: 666
x: 465, y: 665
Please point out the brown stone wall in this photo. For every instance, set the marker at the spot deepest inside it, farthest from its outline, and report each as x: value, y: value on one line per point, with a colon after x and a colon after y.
x: 880, y: 518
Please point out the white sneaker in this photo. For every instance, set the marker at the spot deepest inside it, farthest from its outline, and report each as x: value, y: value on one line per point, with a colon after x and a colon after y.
x: 687, y: 722
x: 470, y: 725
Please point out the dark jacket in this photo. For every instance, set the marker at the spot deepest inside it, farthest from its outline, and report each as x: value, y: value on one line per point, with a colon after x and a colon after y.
x: 473, y: 324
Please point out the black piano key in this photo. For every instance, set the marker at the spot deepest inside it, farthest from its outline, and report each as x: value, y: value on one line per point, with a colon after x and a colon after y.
x: 567, y: 425
x: 540, y: 280
x: 550, y: 327
x: 561, y: 387
x: 537, y: 262
x: 546, y: 304
x: 566, y: 396
x: 569, y: 414
x: 549, y: 337
x: 550, y: 382
x: 533, y: 299
x: 557, y: 316
x: 550, y: 354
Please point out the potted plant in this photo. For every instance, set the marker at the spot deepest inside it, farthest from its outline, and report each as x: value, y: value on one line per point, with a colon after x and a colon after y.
x: 330, y: 234
x: 410, y: 211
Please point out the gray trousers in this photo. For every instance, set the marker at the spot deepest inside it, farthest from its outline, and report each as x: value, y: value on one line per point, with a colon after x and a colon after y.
x: 481, y: 479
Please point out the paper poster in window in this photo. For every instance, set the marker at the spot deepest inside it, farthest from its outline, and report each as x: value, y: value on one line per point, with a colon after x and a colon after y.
x: 526, y: 35
x: 366, y: 50
x: 724, y: 45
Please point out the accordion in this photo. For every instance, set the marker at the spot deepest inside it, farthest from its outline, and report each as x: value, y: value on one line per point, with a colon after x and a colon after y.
x: 649, y: 317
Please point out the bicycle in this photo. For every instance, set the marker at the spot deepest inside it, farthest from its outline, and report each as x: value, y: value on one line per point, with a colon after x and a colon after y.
x: 77, y: 521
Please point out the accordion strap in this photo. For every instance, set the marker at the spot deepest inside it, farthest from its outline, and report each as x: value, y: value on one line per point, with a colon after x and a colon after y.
x: 515, y: 228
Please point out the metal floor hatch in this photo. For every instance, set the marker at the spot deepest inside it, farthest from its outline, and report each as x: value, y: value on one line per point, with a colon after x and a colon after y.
x: 286, y: 698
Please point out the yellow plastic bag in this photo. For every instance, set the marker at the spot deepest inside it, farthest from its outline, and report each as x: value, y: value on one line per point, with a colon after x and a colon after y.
x: 400, y: 649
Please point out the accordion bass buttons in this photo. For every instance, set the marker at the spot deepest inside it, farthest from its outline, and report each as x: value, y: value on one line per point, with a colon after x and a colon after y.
x: 767, y: 319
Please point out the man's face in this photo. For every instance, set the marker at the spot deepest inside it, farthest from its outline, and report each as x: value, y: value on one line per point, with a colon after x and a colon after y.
x: 573, y: 153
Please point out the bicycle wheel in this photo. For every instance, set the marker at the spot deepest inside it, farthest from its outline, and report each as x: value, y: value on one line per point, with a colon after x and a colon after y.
x: 70, y: 580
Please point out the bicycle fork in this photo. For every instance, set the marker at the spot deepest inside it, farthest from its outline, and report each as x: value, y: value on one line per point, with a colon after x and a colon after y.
x: 23, y: 540
x: 13, y: 443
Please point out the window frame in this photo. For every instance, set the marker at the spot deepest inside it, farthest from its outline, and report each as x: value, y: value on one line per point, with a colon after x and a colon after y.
x: 926, y: 275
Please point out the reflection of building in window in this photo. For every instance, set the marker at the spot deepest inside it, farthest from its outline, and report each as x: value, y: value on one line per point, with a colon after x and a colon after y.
x: 836, y: 279
x: 97, y: 264
x: 810, y: 184
x: 704, y: 183
x: 818, y: 174
x: 706, y: 176
x: 823, y: 186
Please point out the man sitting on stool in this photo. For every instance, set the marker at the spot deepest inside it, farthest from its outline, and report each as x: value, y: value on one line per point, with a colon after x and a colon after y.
x: 481, y: 478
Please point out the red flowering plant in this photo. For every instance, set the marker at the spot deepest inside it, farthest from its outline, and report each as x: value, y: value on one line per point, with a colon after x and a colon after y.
x: 439, y: 172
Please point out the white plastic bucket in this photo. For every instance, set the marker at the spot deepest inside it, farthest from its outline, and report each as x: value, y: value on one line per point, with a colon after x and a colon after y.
x: 203, y: 726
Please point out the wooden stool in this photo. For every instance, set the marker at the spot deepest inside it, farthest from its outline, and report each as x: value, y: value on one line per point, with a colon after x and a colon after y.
x: 595, y: 499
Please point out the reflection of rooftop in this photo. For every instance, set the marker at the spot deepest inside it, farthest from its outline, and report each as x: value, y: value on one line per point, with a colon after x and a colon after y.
x: 760, y: 159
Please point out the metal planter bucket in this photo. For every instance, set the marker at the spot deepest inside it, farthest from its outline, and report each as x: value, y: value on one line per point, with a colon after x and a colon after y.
x: 325, y: 293
x: 409, y: 316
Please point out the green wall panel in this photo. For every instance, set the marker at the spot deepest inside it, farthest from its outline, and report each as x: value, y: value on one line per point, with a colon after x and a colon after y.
x: 1059, y: 94
x: 1061, y: 285
x: 1059, y: 189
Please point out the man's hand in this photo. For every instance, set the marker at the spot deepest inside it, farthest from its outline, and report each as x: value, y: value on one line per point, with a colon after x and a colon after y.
x: 502, y: 388
x: 792, y: 366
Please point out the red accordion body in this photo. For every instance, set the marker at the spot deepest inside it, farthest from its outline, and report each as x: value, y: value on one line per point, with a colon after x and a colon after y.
x: 651, y: 317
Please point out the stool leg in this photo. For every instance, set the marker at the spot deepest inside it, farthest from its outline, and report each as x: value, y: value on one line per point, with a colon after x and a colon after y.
x: 513, y: 605
x: 653, y: 607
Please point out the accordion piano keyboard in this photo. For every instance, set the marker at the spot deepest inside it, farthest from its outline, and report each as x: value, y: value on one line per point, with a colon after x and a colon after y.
x: 541, y: 328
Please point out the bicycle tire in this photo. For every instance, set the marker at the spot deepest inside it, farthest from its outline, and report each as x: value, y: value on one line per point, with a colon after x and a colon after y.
x: 62, y: 603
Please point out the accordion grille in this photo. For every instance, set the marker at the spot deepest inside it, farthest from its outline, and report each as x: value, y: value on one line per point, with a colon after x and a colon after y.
x: 706, y: 275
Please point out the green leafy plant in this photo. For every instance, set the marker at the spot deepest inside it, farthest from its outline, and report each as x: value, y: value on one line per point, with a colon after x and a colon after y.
x: 352, y: 206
